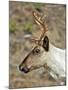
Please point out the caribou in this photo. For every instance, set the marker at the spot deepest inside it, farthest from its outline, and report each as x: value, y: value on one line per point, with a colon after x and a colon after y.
x: 44, y: 54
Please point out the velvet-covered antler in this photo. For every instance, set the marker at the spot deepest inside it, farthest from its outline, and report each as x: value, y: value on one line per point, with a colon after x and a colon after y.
x: 41, y: 24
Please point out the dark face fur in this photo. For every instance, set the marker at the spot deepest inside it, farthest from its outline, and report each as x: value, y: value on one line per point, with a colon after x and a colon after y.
x: 32, y: 60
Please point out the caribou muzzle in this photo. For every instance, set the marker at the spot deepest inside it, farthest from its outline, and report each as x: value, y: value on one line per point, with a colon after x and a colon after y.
x: 23, y: 69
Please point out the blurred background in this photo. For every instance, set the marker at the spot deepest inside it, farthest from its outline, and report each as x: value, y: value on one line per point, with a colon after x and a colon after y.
x: 21, y: 26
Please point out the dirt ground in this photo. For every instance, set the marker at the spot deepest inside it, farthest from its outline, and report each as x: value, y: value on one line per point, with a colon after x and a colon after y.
x: 21, y: 23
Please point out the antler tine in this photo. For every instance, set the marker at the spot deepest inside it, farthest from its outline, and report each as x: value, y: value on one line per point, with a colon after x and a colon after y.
x: 39, y: 21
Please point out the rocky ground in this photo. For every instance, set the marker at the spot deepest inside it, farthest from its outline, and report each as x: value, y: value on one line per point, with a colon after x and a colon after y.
x: 21, y: 23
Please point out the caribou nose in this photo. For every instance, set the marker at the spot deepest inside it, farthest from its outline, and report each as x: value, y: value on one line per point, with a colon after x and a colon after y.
x: 23, y: 69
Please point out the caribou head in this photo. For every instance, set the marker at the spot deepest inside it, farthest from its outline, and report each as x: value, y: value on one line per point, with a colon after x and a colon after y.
x: 44, y: 54
x: 32, y: 60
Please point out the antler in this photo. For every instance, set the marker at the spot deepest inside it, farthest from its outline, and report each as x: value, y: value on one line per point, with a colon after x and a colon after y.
x: 39, y: 21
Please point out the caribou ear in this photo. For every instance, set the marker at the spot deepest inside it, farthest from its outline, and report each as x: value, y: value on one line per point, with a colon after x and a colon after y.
x: 46, y: 43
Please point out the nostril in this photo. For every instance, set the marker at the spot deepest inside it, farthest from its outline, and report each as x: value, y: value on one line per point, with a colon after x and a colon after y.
x: 21, y: 69
x: 25, y: 70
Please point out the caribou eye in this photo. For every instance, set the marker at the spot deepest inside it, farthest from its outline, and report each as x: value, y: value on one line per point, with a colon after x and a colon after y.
x: 36, y: 51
